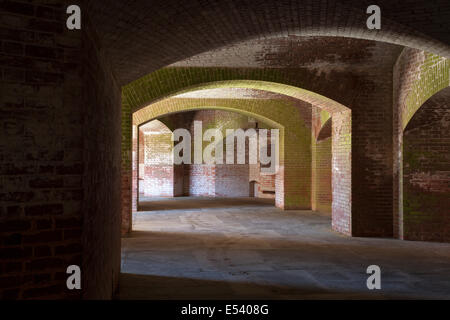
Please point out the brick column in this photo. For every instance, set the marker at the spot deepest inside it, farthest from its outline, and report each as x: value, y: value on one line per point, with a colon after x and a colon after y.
x: 342, y: 172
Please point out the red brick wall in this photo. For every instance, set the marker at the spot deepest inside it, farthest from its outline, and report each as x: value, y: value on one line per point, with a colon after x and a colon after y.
x: 322, y: 193
x: 141, y: 161
x: 321, y: 146
x: 342, y: 173
x: 426, y: 171
x: 178, y: 180
x: 197, y: 180
x: 41, y: 172
x: 296, y: 161
x: 101, y: 180
x: 200, y: 180
x: 232, y: 180
x: 60, y: 198
x: 217, y: 180
x: 156, y: 166
x: 406, y: 72
x: 358, y: 74
x: 418, y: 75
x: 266, y: 186
x: 60, y: 156
x: 158, y: 181
x: 372, y: 150
x: 127, y: 218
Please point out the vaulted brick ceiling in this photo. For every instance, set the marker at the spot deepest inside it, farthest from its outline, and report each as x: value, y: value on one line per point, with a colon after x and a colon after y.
x: 334, y: 67
x: 233, y: 93
x: 325, y: 53
x: 238, y: 95
x: 142, y: 36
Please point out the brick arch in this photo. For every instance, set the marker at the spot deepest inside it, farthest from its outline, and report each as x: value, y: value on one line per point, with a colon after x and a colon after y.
x: 262, y: 113
x: 177, y: 105
x: 418, y: 76
x: 140, y: 94
x: 204, y: 26
x: 425, y: 172
x: 433, y: 75
x: 293, y: 186
x: 167, y: 83
x: 173, y: 106
x: 158, y: 125
x: 325, y: 130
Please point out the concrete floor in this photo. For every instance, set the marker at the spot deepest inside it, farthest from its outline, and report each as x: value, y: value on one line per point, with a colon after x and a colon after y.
x: 248, y: 249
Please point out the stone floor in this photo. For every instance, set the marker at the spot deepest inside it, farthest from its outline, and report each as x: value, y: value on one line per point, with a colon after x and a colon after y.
x: 186, y: 248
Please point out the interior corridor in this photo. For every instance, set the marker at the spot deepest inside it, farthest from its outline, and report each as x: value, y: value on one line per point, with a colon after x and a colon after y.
x: 246, y: 248
x: 286, y: 147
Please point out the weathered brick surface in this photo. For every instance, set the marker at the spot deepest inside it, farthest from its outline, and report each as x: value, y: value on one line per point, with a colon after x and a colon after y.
x: 295, y: 173
x: 159, y: 179
x: 418, y: 75
x: 200, y: 180
x: 156, y: 169
x: 321, y: 186
x: 366, y: 90
x: 60, y: 105
x: 41, y: 163
x: 60, y: 128
x: 197, y: 28
x: 218, y: 180
x: 232, y: 180
x: 426, y: 171
x: 101, y: 205
x: 342, y: 179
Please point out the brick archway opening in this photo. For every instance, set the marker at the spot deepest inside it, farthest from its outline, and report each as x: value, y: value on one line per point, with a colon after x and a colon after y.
x: 156, y: 171
x: 61, y: 106
x: 211, y: 180
x: 156, y: 174
x: 339, y: 209
x: 425, y: 171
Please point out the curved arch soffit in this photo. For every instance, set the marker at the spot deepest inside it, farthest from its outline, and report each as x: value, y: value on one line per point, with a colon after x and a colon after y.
x: 137, y: 102
x: 442, y: 93
x: 429, y: 82
x: 418, y: 104
x: 268, y: 18
x: 155, y: 123
x: 146, y: 115
x: 325, y: 131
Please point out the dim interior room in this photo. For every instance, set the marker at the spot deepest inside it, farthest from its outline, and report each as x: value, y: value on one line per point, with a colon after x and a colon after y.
x: 347, y: 127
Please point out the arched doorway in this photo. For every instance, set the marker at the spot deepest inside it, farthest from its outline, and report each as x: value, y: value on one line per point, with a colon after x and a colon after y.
x: 296, y: 193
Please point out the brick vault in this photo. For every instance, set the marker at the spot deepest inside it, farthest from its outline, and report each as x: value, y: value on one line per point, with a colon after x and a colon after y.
x: 363, y: 116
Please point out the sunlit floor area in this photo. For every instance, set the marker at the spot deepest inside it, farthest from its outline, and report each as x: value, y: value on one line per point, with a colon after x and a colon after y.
x: 209, y: 248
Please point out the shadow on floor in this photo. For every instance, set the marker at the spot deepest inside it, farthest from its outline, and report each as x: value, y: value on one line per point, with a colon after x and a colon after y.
x: 245, y: 249
x: 149, y: 287
x: 183, y: 203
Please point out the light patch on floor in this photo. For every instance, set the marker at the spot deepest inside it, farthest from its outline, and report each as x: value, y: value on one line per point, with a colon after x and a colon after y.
x: 204, y: 248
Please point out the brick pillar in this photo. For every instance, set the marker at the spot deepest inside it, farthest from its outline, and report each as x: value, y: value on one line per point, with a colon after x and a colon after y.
x: 128, y: 182
x: 372, y: 159
x: 135, y: 170
x: 296, y: 167
x: 342, y: 172
x: 321, y: 180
